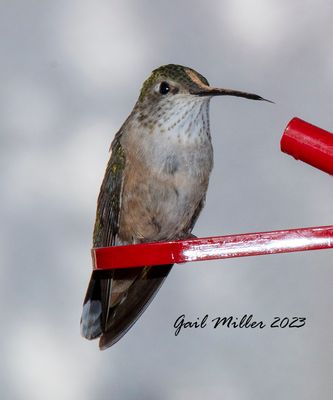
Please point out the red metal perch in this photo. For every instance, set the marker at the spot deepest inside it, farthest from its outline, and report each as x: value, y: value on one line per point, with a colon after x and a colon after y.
x: 309, y: 143
x: 250, y: 244
x: 301, y: 140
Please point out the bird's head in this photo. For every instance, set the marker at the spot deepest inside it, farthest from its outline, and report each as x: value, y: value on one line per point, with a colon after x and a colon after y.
x: 173, y: 91
x: 172, y: 81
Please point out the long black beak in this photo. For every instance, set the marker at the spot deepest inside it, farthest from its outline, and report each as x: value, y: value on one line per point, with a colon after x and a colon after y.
x: 227, y: 92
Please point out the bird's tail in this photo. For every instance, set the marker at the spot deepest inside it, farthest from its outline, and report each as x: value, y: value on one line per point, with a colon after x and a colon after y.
x: 116, y: 299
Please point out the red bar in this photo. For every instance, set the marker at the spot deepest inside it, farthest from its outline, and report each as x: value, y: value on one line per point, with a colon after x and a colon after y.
x: 219, y: 247
x: 309, y: 143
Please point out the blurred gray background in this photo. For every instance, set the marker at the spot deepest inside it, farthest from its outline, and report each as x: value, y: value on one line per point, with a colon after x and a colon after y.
x: 70, y: 74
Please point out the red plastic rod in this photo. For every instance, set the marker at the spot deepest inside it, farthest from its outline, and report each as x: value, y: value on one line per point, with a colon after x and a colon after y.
x: 309, y: 143
x: 250, y: 244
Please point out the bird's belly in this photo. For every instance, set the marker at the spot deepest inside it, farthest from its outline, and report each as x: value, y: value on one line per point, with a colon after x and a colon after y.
x: 160, y: 207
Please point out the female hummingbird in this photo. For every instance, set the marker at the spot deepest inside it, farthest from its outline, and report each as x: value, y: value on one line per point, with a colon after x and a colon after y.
x: 154, y: 189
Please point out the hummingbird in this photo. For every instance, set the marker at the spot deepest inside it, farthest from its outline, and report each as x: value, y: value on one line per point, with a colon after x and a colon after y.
x: 154, y: 189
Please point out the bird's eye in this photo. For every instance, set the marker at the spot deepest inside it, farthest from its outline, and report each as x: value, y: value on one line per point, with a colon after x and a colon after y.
x: 164, y: 88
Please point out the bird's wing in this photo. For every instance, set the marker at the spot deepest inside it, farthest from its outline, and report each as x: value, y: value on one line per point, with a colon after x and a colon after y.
x: 109, y: 199
x: 105, y: 234
x: 115, y: 299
